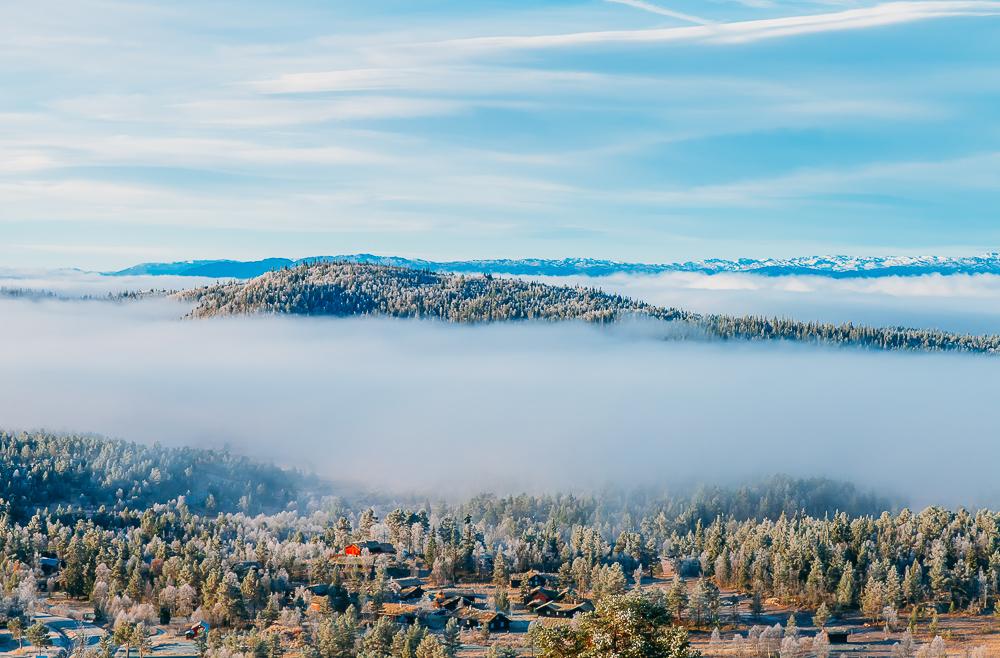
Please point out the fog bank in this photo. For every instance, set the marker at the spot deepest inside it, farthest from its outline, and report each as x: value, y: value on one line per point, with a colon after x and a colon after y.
x: 961, y: 303
x: 74, y: 283
x: 455, y: 409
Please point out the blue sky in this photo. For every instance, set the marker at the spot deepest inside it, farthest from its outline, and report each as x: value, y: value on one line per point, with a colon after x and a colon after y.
x: 653, y: 131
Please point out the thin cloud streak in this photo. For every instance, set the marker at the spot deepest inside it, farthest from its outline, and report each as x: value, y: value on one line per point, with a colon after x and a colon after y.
x: 662, y: 11
x: 739, y: 31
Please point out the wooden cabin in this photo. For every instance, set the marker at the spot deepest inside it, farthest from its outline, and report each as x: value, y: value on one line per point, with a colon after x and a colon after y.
x: 401, y: 613
x: 563, y: 610
x: 533, y: 578
x: 540, y: 595
x: 372, y: 548
x: 411, y: 593
x: 241, y: 569
x: 49, y: 565
x: 838, y: 634
x: 496, y: 622
x: 453, y: 601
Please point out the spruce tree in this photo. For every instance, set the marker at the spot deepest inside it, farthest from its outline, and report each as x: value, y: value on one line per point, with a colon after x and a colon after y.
x: 451, y: 641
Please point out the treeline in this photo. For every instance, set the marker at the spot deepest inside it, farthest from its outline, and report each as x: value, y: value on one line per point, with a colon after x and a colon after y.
x: 353, y: 289
x: 74, y: 475
x: 39, y: 294
x: 26, y: 293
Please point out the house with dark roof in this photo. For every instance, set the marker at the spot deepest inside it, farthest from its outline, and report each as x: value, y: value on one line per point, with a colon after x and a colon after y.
x: 496, y: 622
x: 838, y: 634
x: 453, y: 600
x: 369, y: 548
x: 411, y: 593
x: 533, y: 578
x: 563, y: 610
x: 401, y: 613
x: 539, y: 595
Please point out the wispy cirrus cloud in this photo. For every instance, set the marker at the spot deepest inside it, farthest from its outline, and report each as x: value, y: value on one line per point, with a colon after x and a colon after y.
x: 513, y: 120
x: 662, y: 11
x: 736, y: 32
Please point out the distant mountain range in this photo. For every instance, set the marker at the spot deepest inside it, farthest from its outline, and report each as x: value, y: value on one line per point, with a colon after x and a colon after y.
x: 828, y: 266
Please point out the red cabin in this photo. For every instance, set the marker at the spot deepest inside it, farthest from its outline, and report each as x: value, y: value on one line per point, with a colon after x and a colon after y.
x: 373, y: 548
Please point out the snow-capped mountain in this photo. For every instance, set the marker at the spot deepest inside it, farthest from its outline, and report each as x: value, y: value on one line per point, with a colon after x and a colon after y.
x: 828, y: 266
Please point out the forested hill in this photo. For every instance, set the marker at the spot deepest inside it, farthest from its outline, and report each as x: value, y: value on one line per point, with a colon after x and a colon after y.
x: 353, y: 289
x: 346, y: 289
x: 85, y: 473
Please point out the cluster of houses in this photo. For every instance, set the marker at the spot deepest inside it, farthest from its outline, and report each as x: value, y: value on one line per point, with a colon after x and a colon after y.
x: 546, y: 601
x: 412, y: 600
x: 435, y: 607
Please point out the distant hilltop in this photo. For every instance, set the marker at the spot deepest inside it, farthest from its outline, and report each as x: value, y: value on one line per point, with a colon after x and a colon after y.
x: 842, y: 267
x: 341, y: 289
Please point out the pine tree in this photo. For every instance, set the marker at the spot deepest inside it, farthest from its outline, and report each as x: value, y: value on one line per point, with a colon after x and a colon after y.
x: 791, y: 627
x: 74, y: 572
x: 451, y: 641
x: 815, y: 583
x: 873, y: 600
x: 501, y: 578
x: 939, y: 574
x: 893, y: 587
x: 500, y: 651
x: 379, y: 640
x: 502, y: 601
x: 756, y: 605
x: 822, y: 616
x: 16, y: 628
x: 140, y: 639
x: 912, y: 583
x: 38, y: 635
x: 431, y: 553
x: 677, y: 598
x: 845, y: 588
x: 250, y: 589
x: 429, y: 647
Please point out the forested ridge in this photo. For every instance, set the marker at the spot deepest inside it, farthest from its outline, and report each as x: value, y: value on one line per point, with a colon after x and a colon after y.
x: 41, y: 470
x: 357, y: 289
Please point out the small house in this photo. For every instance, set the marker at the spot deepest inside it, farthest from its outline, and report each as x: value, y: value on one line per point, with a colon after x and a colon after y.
x: 49, y: 565
x: 372, y: 548
x: 533, y: 578
x: 563, y: 610
x: 402, y: 583
x: 453, y: 601
x: 196, y: 629
x: 401, y: 613
x: 540, y: 595
x: 319, y: 589
x: 411, y: 593
x: 838, y: 634
x: 241, y: 569
x: 496, y: 622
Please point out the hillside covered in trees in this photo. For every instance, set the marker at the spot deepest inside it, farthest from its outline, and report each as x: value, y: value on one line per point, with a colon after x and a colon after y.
x: 86, y: 473
x: 355, y: 289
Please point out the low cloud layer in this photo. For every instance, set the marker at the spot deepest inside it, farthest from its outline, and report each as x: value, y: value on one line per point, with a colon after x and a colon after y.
x: 74, y: 283
x: 962, y: 303
x: 454, y: 409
